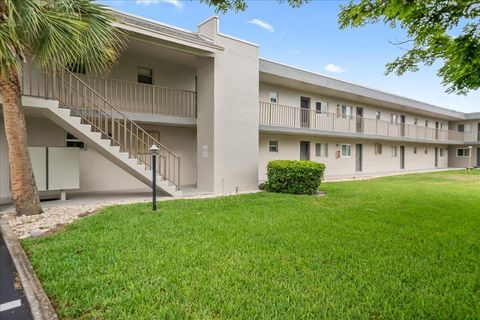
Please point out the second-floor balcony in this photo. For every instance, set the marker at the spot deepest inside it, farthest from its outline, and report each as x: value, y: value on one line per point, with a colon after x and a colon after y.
x: 276, y: 115
x: 145, y: 98
x: 125, y: 96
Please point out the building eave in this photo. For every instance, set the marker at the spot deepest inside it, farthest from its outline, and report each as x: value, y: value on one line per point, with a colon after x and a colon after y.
x: 271, y: 71
x: 163, y: 32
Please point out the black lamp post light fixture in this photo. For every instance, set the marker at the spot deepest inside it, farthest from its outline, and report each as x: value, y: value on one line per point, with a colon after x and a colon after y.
x: 154, y: 152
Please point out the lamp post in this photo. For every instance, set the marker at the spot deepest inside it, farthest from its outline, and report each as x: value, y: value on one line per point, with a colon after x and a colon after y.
x: 154, y: 152
x: 470, y: 158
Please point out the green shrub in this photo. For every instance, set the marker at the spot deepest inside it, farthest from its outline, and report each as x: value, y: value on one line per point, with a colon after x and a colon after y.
x: 294, y: 176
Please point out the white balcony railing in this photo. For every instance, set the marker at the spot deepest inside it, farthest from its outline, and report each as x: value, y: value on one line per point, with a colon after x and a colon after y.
x: 293, y: 117
x: 144, y: 98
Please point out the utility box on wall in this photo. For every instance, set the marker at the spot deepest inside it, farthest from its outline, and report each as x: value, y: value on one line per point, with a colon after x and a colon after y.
x: 56, y: 168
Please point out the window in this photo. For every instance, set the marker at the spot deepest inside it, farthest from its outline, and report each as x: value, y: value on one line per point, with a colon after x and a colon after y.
x: 346, y: 150
x: 346, y: 111
x: 426, y: 123
x: 415, y: 121
x: 73, y: 142
x: 426, y: 150
x: 464, y: 128
x: 273, y: 146
x: 145, y: 75
x: 464, y: 152
x: 442, y: 152
x: 273, y: 97
x: 394, y: 151
x: 414, y: 150
x: 321, y: 150
x: 321, y: 107
x: 377, y: 115
x: 393, y: 118
x: 378, y: 148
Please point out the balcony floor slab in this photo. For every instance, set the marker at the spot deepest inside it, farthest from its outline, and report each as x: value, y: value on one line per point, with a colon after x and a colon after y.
x: 349, y: 135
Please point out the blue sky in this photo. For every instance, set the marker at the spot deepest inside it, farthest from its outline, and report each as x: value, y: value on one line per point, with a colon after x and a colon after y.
x: 309, y: 38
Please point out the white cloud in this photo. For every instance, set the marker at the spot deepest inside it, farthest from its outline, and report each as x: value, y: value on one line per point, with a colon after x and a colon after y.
x: 176, y: 3
x: 334, y: 68
x: 262, y: 24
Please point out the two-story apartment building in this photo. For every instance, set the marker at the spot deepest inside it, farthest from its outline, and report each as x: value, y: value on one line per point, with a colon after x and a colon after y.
x: 219, y: 113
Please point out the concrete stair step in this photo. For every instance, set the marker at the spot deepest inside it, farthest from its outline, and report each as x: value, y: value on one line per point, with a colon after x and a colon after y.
x: 74, y: 124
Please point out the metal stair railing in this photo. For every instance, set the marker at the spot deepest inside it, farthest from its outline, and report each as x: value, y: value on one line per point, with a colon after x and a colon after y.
x: 73, y: 93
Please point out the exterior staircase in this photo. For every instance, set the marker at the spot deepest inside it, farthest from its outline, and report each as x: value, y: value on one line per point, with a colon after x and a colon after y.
x: 91, y: 118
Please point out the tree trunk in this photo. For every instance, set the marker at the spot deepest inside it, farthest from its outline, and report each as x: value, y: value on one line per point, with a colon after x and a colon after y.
x: 22, y: 181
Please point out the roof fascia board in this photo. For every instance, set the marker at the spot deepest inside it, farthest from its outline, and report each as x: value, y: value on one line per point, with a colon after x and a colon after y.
x: 473, y: 116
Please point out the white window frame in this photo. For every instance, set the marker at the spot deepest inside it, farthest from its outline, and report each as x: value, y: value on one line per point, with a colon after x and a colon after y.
x: 273, y: 144
x: 321, y: 150
x: 273, y: 97
x: 442, y: 152
x: 394, y: 151
x: 415, y: 121
x: 346, y: 111
x: 415, y: 150
x: 378, y: 115
x: 465, y: 154
x: 426, y: 123
x: 148, y: 76
x: 378, y: 149
x: 393, y: 118
x: 348, y: 148
x: 466, y: 127
x: 323, y: 107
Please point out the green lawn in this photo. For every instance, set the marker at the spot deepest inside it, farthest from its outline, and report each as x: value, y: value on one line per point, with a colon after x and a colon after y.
x: 398, y: 247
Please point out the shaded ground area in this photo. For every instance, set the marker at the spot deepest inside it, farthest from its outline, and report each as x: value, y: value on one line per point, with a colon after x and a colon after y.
x: 13, y: 304
x: 396, y: 247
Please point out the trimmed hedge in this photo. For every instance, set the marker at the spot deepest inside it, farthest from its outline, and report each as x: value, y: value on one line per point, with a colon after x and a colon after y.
x: 294, y: 176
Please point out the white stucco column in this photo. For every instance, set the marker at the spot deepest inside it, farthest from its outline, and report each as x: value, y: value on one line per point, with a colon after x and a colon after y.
x: 228, y: 114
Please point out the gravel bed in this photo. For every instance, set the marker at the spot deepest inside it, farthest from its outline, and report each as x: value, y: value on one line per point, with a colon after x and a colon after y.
x: 53, y: 218
x: 56, y: 217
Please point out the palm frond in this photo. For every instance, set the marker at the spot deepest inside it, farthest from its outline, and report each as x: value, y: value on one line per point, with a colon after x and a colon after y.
x: 78, y: 32
x: 57, y: 34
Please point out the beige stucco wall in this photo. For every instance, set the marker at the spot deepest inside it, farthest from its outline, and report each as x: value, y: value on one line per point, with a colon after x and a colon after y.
x: 97, y: 174
x: 233, y: 157
x: 183, y: 142
x: 205, y: 124
x: 105, y: 176
x: 289, y: 149
x: 166, y: 72
x: 462, y: 162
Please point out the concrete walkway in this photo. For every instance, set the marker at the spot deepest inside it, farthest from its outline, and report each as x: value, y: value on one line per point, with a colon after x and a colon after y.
x: 100, y: 198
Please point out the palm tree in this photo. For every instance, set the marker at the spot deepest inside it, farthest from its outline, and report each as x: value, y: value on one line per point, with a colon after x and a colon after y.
x: 54, y: 34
